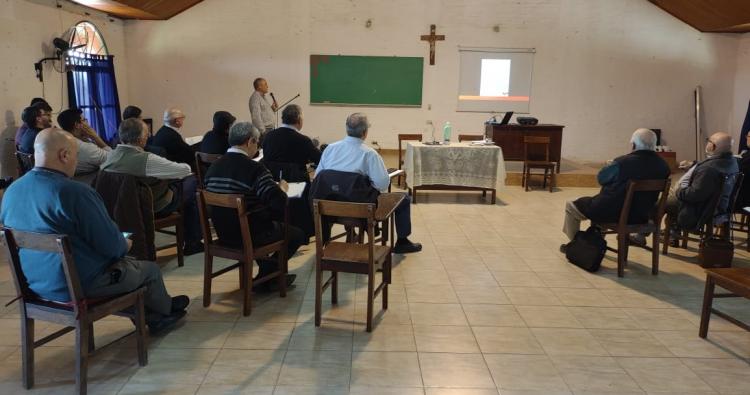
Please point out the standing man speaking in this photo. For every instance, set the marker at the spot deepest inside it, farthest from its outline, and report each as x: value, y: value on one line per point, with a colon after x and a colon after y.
x: 261, y: 111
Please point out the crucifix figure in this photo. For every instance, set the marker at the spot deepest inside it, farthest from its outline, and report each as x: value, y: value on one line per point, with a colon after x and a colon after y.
x: 432, y: 37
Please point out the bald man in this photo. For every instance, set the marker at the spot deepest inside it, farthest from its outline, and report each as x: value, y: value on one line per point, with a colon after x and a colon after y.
x: 689, y: 198
x: 63, y: 206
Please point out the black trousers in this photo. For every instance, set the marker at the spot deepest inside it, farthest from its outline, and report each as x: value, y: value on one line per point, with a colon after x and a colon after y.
x: 275, y: 233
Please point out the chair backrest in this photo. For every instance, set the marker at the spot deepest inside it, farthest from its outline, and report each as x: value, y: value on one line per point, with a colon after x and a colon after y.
x: 202, y: 162
x: 236, y: 202
x: 25, y: 162
x: 14, y: 240
x: 405, y: 137
x: 733, y: 183
x: 738, y: 184
x: 636, y: 186
x: 530, y: 153
x: 129, y: 202
x: 470, y: 137
x: 336, y: 209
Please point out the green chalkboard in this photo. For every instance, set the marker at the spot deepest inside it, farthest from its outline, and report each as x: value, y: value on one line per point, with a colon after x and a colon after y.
x: 366, y: 80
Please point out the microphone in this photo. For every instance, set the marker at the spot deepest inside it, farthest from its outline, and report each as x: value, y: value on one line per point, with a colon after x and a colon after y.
x: 273, y: 97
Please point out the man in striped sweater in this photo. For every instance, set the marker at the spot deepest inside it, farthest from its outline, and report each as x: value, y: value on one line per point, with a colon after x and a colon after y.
x: 237, y: 173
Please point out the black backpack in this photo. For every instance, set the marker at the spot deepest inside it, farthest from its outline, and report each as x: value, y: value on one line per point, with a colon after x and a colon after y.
x: 587, y: 249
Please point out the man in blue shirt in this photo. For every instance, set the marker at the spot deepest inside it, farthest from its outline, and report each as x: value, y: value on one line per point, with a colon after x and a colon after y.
x: 352, y: 155
x: 63, y: 206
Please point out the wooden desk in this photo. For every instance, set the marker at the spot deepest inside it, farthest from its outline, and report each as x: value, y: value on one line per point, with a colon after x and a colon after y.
x: 510, y: 139
x: 735, y: 280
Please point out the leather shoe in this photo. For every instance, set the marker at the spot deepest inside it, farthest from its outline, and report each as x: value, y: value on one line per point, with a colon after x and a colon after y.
x: 405, y: 247
x: 180, y: 302
x: 192, y: 247
x: 563, y: 248
x: 273, y: 285
x: 166, y: 322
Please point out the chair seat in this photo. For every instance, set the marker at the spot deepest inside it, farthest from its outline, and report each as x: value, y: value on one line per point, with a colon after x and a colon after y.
x: 735, y: 275
x: 170, y: 220
x: 541, y: 164
x: 359, y: 253
x: 630, y: 228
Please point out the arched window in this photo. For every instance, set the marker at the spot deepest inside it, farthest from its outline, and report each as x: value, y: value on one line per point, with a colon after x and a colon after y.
x: 91, y: 79
x: 85, y: 38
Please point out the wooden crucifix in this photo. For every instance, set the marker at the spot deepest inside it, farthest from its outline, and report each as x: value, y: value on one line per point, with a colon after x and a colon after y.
x: 432, y: 37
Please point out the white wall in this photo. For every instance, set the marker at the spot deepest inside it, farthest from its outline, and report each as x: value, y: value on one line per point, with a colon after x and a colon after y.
x: 26, y: 32
x: 741, y: 85
x: 602, y: 68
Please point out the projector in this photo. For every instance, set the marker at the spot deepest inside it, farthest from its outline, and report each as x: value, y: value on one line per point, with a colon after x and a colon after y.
x: 527, y: 121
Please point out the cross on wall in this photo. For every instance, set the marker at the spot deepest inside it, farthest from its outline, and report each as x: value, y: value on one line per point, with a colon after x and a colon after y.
x: 432, y: 38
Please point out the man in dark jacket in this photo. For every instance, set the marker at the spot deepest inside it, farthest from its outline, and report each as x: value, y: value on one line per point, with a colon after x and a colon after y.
x: 699, y: 183
x: 287, y: 145
x: 216, y: 140
x: 35, y: 102
x: 641, y: 164
x: 170, y: 139
x: 743, y: 199
x: 36, y: 118
x: 236, y: 173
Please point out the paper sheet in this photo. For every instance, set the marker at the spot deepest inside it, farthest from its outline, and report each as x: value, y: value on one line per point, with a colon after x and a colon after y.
x: 295, y: 189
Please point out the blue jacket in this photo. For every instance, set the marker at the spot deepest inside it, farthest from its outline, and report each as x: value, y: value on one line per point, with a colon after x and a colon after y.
x: 46, y: 201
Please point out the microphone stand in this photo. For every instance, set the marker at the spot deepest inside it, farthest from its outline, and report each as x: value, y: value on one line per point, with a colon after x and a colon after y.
x: 278, y: 109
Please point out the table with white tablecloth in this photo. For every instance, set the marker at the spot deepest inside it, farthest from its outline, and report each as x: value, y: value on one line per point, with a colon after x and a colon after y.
x: 456, y: 166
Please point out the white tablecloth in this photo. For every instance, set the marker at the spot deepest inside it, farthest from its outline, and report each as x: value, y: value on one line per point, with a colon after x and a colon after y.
x: 456, y: 164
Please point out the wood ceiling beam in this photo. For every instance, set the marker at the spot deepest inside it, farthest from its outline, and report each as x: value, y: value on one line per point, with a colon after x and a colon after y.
x: 140, y: 9
x: 732, y: 16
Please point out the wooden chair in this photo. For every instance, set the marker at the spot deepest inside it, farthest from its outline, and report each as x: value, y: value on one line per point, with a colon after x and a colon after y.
x: 78, y: 315
x: 245, y: 255
x: 110, y: 185
x: 202, y: 162
x: 743, y: 224
x: 25, y: 162
x: 707, y: 225
x: 470, y: 137
x: 736, y: 281
x: 401, y: 138
x: 349, y: 257
x: 531, y: 160
x: 623, y: 229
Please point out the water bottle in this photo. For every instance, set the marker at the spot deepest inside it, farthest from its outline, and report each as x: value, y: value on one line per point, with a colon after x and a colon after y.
x: 447, y: 129
x: 430, y: 129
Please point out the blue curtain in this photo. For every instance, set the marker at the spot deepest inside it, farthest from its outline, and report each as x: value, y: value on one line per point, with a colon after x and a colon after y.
x: 93, y: 89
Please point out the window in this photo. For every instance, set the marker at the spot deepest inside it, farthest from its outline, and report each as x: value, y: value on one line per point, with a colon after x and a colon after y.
x: 91, y: 80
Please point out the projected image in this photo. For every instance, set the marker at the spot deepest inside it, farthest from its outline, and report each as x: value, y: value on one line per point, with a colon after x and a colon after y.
x: 495, y: 78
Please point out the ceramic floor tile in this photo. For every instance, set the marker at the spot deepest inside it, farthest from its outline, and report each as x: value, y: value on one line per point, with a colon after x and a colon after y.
x: 268, y: 336
x: 466, y: 370
x: 473, y: 294
x: 687, y: 344
x: 517, y: 279
x: 548, y: 317
x: 662, y: 375
x: 582, y: 297
x: 530, y: 296
x: 443, y: 338
x: 727, y: 376
x: 386, y: 369
x: 563, y: 341
x: 386, y: 338
x: 524, y: 372
x: 245, y: 368
x: 594, y: 374
x: 603, y: 318
x: 437, y: 314
x: 630, y: 343
x: 492, y: 315
x: 316, y: 368
x: 494, y: 339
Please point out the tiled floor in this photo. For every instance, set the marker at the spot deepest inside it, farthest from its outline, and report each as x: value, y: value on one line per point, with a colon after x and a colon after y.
x: 490, y: 306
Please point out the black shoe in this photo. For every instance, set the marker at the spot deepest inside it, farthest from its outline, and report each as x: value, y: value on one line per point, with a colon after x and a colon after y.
x: 404, y: 246
x: 192, y: 247
x: 638, y: 240
x: 180, y: 302
x: 166, y: 322
x: 563, y: 248
x: 273, y: 285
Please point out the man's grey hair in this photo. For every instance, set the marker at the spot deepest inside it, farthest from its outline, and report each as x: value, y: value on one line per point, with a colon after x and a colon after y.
x: 241, y: 132
x: 644, y: 139
x: 357, y: 125
x: 131, y: 130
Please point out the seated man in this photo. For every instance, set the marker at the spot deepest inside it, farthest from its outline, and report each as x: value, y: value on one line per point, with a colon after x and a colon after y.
x: 743, y: 199
x: 216, y: 140
x: 130, y: 158
x: 352, y: 155
x: 687, y: 201
x: 62, y: 206
x: 39, y: 102
x: 641, y: 164
x: 92, y: 150
x: 36, y: 117
x: 237, y: 173
x: 170, y: 140
x: 287, y: 145
x: 131, y: 112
